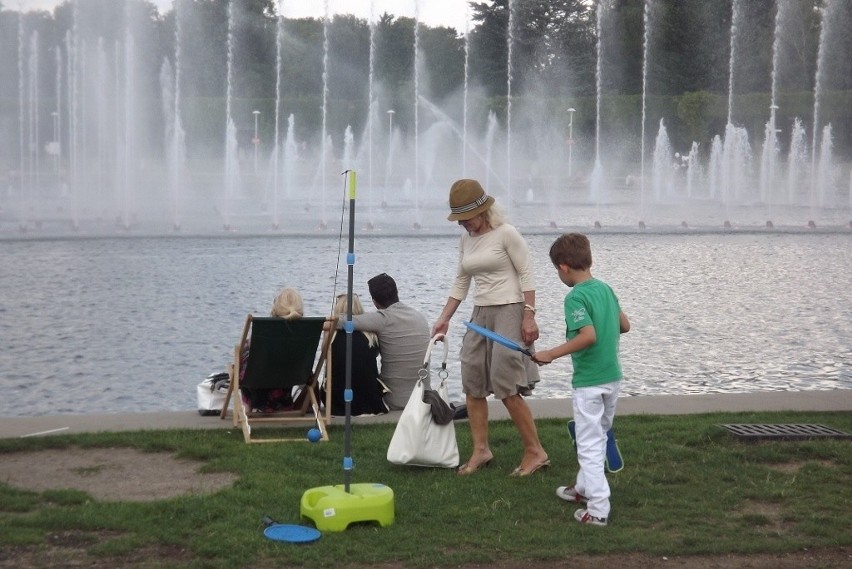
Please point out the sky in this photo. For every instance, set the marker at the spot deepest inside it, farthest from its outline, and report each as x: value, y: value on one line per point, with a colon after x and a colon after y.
x: 452, y: 13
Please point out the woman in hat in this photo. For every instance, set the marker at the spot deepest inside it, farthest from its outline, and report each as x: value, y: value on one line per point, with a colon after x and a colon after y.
x: 495, y: 256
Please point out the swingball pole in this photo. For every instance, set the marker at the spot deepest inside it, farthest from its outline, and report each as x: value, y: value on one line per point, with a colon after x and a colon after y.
x: 334, y: 508
x: 349, y: 327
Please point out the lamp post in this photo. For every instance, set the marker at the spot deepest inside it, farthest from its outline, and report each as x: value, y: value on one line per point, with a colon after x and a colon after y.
x: 56, y: 147
x: 255, y: 140
x: 571, y: 111
x: 773, y: 139
x: 772, y: 109
x: 391, y: 112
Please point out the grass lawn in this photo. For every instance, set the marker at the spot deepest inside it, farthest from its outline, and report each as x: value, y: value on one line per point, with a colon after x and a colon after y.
x: 688, y: 488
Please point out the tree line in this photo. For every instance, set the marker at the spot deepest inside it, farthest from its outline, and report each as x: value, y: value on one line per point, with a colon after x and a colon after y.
x: 555, y: 47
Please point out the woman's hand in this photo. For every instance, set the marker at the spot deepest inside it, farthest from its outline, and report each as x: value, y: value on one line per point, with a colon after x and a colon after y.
x: 441, y: 326
x: 529, y: 328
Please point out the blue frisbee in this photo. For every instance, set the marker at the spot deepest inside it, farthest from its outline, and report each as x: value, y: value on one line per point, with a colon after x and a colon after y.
x: 292, y: 533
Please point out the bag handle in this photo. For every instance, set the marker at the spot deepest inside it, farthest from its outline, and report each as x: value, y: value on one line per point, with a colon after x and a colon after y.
x: 440, y: 410
x: 424, y: 369
x: 423, y: 373
x: 437, y: 338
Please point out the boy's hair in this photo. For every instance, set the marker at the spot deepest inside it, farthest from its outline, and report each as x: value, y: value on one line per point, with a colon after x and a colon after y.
x: 572, y: 249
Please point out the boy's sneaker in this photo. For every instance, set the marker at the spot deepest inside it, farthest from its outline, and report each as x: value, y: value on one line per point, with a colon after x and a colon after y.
x: 584, y: 517
x: 569, y: 494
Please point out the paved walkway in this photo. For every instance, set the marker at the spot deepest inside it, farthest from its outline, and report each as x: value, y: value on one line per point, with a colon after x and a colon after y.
x: 835, y: 400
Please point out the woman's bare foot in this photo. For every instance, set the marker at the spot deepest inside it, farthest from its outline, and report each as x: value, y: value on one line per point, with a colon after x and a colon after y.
x: 530, y: 463
x: 476, y: 462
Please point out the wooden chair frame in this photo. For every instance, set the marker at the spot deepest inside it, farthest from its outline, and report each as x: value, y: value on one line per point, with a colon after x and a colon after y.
x: 307, y: 405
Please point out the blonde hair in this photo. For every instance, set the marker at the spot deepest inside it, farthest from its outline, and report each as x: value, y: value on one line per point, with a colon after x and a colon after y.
x: 494, y: 216
x: 288, y: 304
x: 340, y: 308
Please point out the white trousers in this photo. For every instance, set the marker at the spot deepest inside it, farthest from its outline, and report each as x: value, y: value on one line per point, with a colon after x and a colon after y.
x: 594, y: 410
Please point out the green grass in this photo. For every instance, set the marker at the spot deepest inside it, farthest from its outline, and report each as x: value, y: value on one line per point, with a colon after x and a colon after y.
x: 688, y: 487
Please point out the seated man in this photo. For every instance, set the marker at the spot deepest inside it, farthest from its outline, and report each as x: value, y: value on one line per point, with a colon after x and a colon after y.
x: 403, y: 339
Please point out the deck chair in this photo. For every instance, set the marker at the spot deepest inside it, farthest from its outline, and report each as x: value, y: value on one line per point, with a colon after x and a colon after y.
x: 281, y: 354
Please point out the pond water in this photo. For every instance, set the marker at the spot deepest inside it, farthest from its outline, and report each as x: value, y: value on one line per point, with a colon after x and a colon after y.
x: 117, y: 324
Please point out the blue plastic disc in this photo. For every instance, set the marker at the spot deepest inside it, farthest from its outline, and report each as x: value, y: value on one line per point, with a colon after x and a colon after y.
x: 292, y: 533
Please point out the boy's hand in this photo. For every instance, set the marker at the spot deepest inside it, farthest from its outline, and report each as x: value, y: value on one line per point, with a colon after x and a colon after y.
x: 542, y: 358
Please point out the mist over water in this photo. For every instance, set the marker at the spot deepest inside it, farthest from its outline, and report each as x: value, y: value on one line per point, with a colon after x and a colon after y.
x: 106, y: 147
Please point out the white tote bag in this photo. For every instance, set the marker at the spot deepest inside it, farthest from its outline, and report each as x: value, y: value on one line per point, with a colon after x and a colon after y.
x: 211, y: 393
x: 418, y: 440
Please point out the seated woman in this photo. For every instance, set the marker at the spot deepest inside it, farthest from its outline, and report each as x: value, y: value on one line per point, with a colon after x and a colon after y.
x: 289, y: 306
x: 367, y: 390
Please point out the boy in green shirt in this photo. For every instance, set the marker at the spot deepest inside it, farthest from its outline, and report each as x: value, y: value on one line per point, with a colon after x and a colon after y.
x: 594, y: 324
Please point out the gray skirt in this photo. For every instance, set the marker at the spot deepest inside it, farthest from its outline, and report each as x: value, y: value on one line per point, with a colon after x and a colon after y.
x: 489, y: 368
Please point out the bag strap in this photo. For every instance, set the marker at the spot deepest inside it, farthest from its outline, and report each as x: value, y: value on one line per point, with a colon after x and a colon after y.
x: 442, y: 413
x: 424, y: 369
x: 437, y: 338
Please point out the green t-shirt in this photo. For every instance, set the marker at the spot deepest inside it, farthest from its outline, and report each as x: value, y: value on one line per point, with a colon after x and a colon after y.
x: 593, y: 303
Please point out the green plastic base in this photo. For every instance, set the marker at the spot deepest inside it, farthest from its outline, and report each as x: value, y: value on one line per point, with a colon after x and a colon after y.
x: 331, y: 508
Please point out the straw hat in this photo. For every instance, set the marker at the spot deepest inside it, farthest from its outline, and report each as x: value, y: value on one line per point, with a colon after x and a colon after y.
x: 467, y: 200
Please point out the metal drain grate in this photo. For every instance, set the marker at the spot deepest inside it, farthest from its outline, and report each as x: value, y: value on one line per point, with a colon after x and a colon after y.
x: 785, y: 432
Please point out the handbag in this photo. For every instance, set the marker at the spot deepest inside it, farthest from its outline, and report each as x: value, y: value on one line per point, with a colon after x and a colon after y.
x: 419, y: 440
x: 211, y: 393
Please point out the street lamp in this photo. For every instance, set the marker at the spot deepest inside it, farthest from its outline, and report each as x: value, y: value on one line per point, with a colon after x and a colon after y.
x: 774, y: 137
x: 255, y: 140
x: 571, y: 111
x: 390, y: 145
x: 56, y: 146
